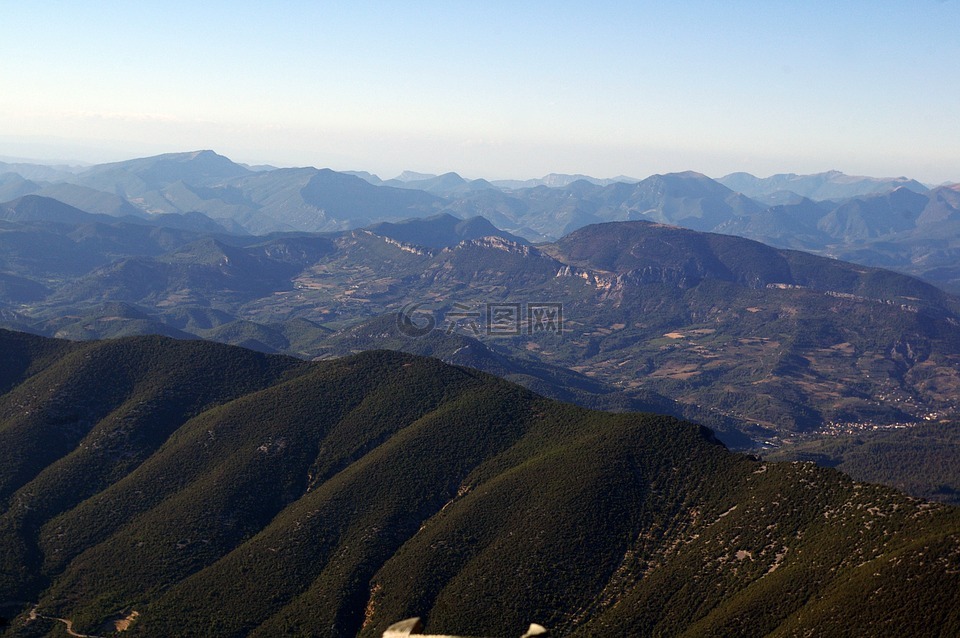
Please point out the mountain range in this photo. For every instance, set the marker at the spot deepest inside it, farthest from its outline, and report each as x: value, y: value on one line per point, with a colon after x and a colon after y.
x: 895, y: 223
x: 506, y: 403
x: 831, y: 185
x: 767, y: 347
x: 744, y: 337
x: 164, y: 487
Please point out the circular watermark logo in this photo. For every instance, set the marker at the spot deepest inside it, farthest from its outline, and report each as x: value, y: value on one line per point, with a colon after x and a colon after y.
x: 414, y: 322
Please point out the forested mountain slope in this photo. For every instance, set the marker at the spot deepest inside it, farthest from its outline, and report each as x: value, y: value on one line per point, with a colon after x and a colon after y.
x: 217, y: 492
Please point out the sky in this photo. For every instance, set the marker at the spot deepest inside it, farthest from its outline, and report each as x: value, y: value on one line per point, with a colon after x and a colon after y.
x: 491, y: 89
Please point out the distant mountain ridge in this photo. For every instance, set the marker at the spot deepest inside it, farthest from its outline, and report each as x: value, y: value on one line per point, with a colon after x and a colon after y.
x: 862, y: 219
x: 820, y: 186
x: 37, y: 208
x: 313, y: 200
x: 441, y: 230
x: 559, y: 180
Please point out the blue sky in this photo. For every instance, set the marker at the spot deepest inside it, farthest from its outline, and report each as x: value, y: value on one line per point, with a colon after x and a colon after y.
x: 491, y: 89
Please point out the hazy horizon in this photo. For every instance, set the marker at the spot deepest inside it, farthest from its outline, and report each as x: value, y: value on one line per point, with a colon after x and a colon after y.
x: 492, y: 90
x: 76, y: 163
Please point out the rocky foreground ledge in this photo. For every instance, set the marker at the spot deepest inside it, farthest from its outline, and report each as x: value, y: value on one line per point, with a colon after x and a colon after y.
x: 413, y: 627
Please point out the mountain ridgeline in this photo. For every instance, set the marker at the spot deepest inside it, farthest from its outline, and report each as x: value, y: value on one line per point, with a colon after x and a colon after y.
x: 769, y: 347
x: 889, y: 222
x: 746, y: 338
x: 195, y: 489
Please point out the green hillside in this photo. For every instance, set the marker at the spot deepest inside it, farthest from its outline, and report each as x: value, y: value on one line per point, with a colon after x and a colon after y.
x: 919, y: 460
x: 221, y: 492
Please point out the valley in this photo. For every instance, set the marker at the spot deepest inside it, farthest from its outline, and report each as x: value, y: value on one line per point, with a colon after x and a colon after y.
x: 757, y: 341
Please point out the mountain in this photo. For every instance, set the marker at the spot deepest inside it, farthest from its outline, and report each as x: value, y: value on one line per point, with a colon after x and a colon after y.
x: 414, y: 176
x: 779, y: 342
x: 39, y: 208
x: 196, y: 273
x: 862, y: 219
x: 902, y: 229
x: 13, y: 186
x: 345, y: 195
x: 820, y: 186
x: 443, y: 185
x: 43, y: 235
x: 257, y: 200
x: 439, y: 231
x: 711, y: 320
x: 199, y: 489
x: 262, y: 200
x: 552, y: 381
x: 795, y: 223
x: 109, y: 321
x: 39, y: 172
x: 759, y: 343
x: 365, y: 176
x: 559, y: 180
x: 197, y: 168
x: 20, y: 290
x: 171, y: 183
x: 919, y: 460
x: 60, y: 260
x: 687, y: 199
x: 90, y: 200
x: 875, y: 216
x: 308, y: 199
x: 33, y: 208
